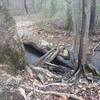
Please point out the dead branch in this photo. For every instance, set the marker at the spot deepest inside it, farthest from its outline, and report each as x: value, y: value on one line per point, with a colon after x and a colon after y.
x: 58, y: 69
x: 50, y: 64
x: 45, y: 72
x: 59, y: 94
x: 52, y: 84
x: 44, y: 57
x: 67, y: 63
x: 53, y: 56
x: 37, y: 91
x: 48, y: 57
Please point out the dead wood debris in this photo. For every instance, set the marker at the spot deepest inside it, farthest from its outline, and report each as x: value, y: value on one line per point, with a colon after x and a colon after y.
x: 72, y: 96
x: 45, y: 57
x: 37, y: 91
x: 39, y: 70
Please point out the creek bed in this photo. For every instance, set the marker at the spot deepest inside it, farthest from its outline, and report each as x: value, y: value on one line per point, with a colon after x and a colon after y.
x: 33, y: 54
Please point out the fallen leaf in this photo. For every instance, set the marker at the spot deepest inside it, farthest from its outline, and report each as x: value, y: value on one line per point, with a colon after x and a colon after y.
x: 22, y: 92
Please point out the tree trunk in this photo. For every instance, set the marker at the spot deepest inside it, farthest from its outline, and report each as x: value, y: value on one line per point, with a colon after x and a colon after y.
x: 53, y: 7
x: 68, y: 20
x: 84, y: 33
x: 92, y: 18
x: 25, y: 5
x: 11, y: 49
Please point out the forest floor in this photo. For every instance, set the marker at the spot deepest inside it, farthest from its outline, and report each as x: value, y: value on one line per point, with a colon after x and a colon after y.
x: 21, y: 86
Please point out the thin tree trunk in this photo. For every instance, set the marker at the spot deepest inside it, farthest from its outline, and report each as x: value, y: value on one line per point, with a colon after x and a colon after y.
x: 92, y: 18
x: 84, y: 33
x: 75, y: 31
x: 25, y: 5
x: 40, y: 7
x: 8, y: 3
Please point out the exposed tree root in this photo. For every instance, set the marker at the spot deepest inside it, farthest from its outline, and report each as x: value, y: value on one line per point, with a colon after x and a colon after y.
x: 83, y: 71
x: 84, y: 74
x: 77, y: 74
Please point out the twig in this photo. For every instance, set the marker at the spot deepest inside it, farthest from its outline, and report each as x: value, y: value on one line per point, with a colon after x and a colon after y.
x: 52, y: 84
x: 53, y: 56
x: 50, y: 64
x: 44, y: 71
x: 75, y: 97
x: 59, y: 94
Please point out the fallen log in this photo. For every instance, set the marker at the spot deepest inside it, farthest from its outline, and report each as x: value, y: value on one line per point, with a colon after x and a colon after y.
x: 43, y: 59
x: 43, y: 71
x: 56, y: 69
x: 59, y: 60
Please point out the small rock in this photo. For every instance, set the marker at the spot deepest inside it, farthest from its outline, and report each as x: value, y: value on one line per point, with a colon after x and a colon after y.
x: 44, y: 43
x: 65, y: 53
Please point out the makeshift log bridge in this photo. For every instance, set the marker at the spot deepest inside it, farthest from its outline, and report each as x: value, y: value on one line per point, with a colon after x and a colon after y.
x: 53, y: 55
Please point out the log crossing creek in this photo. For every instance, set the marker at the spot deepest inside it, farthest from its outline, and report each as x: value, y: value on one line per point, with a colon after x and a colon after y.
x: 32, y: 55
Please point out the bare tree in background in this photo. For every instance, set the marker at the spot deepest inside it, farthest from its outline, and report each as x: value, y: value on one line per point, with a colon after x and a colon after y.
x: 92, y: 17
x: 25, y: 5
x: 53, y: 7
x: 68, y: 9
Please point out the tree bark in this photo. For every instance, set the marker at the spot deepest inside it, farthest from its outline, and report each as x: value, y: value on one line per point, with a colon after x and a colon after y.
x: 84, y: 33
x: 68, y: 20
x: 25, y: 5
x: 75, y: 31
x: 92, y: 18
x: 11, y: 47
